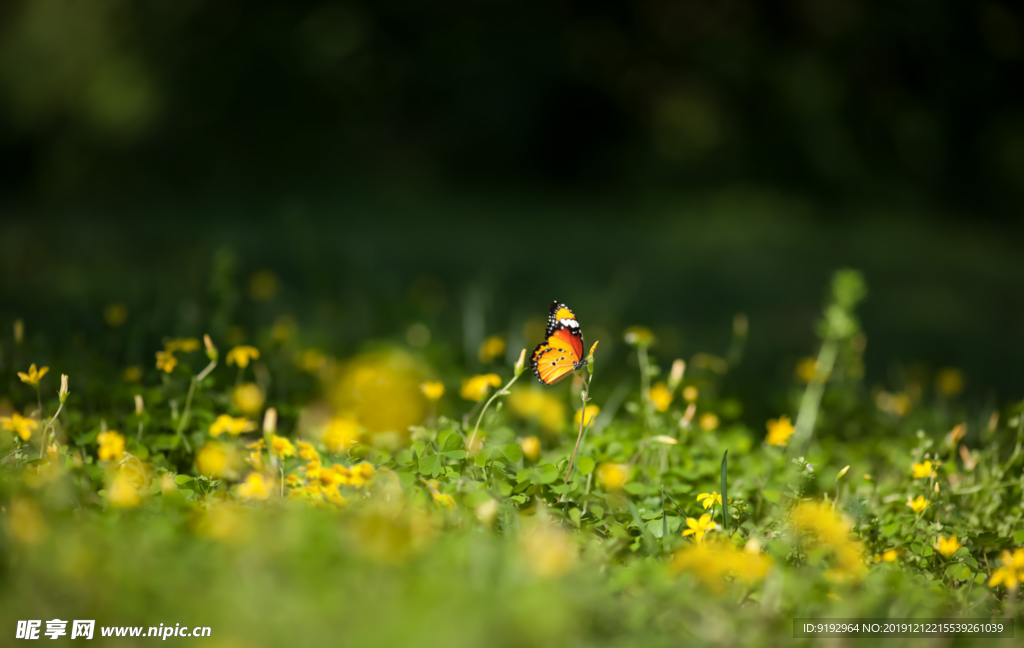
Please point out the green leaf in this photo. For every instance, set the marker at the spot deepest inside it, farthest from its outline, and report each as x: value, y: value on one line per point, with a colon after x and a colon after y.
x: 634, y: 488
x: 430, y: 465
x: 891, y: 529
x: 575, y: 514
x: 597, y: 511
x: 513, y: 452
x: 452, y: 442
x: 182, y: 479
x: 455, y: 454
x: 725, y: 493
x: 585, y: 465
x: 979, y: 579
x: 562, y: 489
x: 1018, y: 537
x: 771, y: 495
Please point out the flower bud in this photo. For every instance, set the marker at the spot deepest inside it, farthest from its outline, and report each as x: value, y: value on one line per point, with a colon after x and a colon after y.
x: 270, y: 421
x: 590, y: 358
x: 676, y: 375
x: 211, y: 351
x: 520, y: 363
x: 841, y: 473
x: 63, y: 393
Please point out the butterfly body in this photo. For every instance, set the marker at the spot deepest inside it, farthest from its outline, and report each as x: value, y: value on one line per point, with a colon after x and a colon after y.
x: 561, y: 353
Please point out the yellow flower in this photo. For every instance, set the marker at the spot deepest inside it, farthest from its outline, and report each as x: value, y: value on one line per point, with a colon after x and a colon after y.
x: 185, y: 345
x: 34, y: 375
x: 918, y: 504
x: 360, y: 473
x: 232, y: 425
x: 248, y: 398
x: 820, y: 526
x: 638, y: 336
x: 281, y: 447
x: 27, y: 523
x: 779, y: 431
x: 950, y: 381
x: 661, y: 396
x: 690, y: 393
x: 591, y: 412
x: 922, y: 470
x: 806, y: 369
x: 19, y: 424
x: 122, y: 492
x: 241, y: 355
x: 476, y: 387
x: 713, y: 562
x: 132, y: 373
x: 890, y: 555
x: 165, y: 361
x: 531, y: 447
x: 697, y: 528
x: 341, y: 434
x: 708, y: 421
x: 443, y: 500
x: 307, y: 452
x: 217, y: 460
x: 709, y: 499
x: 491, y: 348
x: 947, y: 546
x: 433, y: 390
x: 115, y: 314
x: 1012, y: 571
x: 254, y: 487
x: 312, y: 360
x: 548, y: 551
x: 612, y: 476
x: 111, y: 446
x: 898, y: 404
x: 538, y: 405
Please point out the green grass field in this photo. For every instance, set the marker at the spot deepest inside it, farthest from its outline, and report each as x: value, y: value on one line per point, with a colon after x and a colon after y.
x: 253, y: 483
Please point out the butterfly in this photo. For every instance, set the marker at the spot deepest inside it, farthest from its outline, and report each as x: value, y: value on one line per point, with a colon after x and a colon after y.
x: 561, y: 352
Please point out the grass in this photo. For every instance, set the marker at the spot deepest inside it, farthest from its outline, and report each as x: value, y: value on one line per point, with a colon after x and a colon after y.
x: 280, y: 495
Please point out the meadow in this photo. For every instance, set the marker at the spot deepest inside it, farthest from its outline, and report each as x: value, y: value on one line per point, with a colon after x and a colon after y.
x: 253, y: 482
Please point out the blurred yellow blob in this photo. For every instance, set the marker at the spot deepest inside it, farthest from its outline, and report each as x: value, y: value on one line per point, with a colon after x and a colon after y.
x: 779, y: 431
x: 947, y: 546
x: 111, y: 446
x: 165, y: 361
x: 949, y: 382
x: 185, y: 345
x: 132, y: 374
x: 433, y: 390
x: 591, y: 412
x: 27, y: 524
x: 284, y: 328
x: 232, y: 425
x: 714, y: 562
x: 661, y: 396
x: 341, y: 434
x: 548, y: 551
x: 612, y: 476
x: 531, y: 447
x: 227, y: 522
x: 281, y: 447
x: 822, y: 527
x: 922, y: 470
x: 690, y: 394
x: 638, y: 336
x: 241, y: 355
x: 248, y: 398
x: 898, y: 404
x: 491, y: 348
x: 381, y: 390
x: 254, y: 487
x: 708, y: 421
x: 263, y: 286
x: 217, y: 460
x: 122, y: 492
x: 115, y: 314
x: 20, y: 425
x: 476, y: 388
x: 806, y: 369
x: 538, y: 405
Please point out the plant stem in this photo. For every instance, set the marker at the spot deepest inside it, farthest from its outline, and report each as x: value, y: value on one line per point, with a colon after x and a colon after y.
x: 645, y: 383
x: 47, y: 428
x: 183, y: 421
x: 472, y: 438
x: 584, y: 425
x: 811, y: 401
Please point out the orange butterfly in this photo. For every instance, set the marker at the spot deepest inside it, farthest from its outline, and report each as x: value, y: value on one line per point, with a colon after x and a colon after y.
x: 562, y: 352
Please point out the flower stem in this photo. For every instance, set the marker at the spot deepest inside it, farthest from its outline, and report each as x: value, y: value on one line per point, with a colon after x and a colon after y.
x: 47, y: 428
x: 472, y: 438
x: 183, y: 421
x: 645, y: 383
x: 584, y: 425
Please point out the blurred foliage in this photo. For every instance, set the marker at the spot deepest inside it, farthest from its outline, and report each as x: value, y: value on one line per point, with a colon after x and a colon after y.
x: 344, y: 495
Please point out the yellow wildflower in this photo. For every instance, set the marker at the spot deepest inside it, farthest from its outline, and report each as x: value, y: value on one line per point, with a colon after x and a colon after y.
x: 27, y: 523
x: 697, y: 528
x: 918, y: 504
x: 476, y: 387
x: 241, y: 355
x: 34, y: 375
x: 708, y: 421
x: 779, y: 431
x: 111, y: 446
x: 254, y: 487
x: 638, y: 336
x: 548, y: 551
x: 248, y: 398
x: 898, y: 404
x: 947, y: 546
x: 341, y: 434
x: 185, y: 345
x: 708, y: 500
x: 312, y: 360
x: 531, y: 447
x: 713, y: 562
x: 486, y: 512
x: 232, y: 425
x: 690, y: 393
x: 20, y: 425
x: 591, y: 412
x: 307, y: 452
x: 216, y: 460
x: 661, y: 396
x: 612, y: 476
x: 122, y: 492
x: 949, y: 381
x: 1012, y: 571
x: 281, y: 447
x: 820, y: 526
x: 165, y: 361
x: 538, y: 405
x: 491, y: 348
x: 890, y: 555
x: 433, y: 390
x: 806, y: 369
x: 360, y: 473
x: 922, y: 470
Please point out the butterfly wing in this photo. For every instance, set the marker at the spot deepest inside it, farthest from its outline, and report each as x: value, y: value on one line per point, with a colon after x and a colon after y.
x: 559, y: 356
x: 561, y: 316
